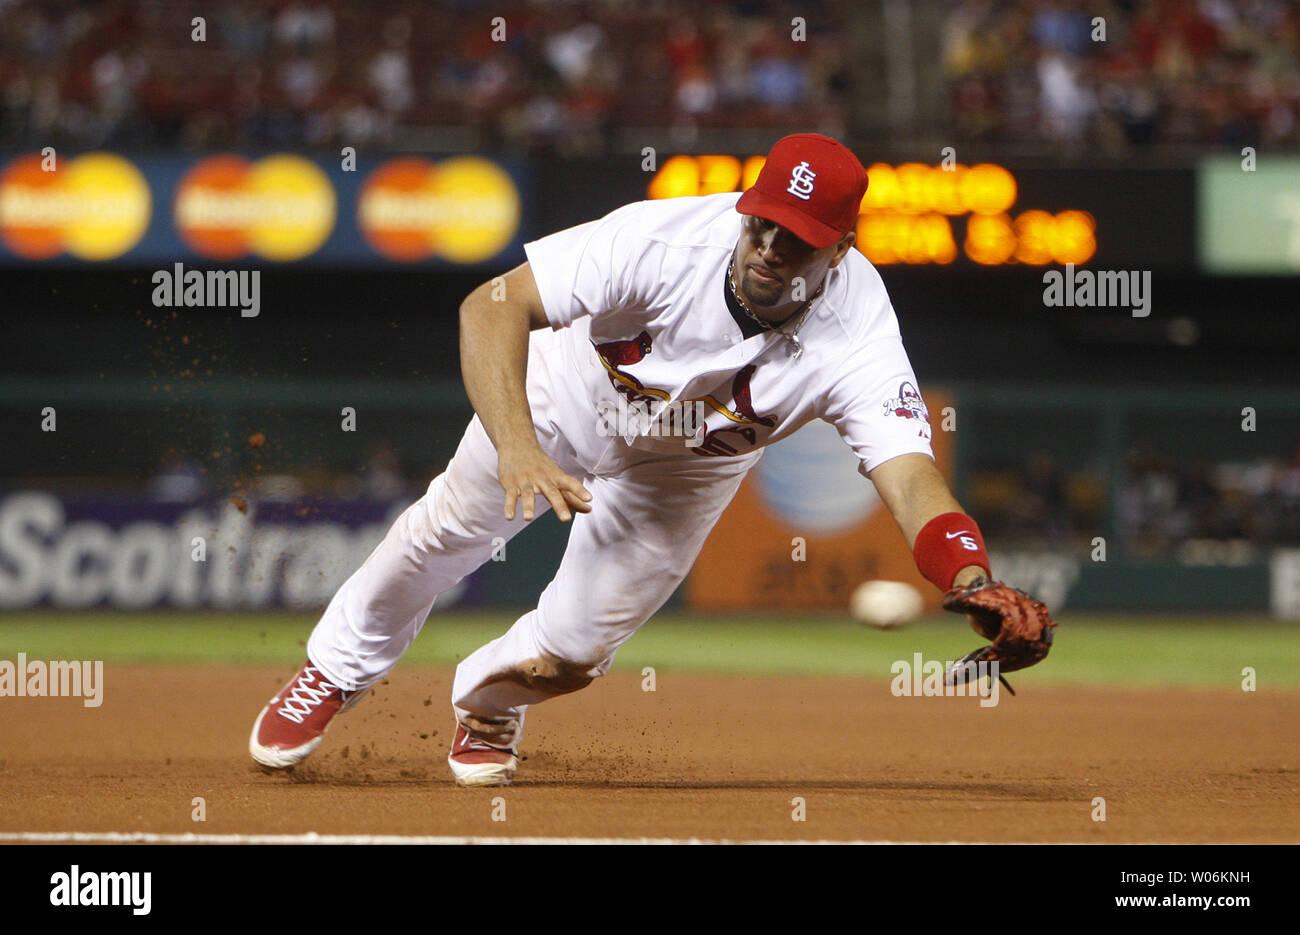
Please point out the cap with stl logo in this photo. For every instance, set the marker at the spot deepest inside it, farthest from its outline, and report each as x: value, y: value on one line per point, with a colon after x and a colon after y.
x: 811, y: 185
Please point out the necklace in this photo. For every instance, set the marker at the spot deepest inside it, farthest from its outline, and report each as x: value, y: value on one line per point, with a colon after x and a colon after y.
x: 798, y: 317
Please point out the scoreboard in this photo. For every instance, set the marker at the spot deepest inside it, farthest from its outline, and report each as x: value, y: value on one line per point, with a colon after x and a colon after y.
x: 916, y: 214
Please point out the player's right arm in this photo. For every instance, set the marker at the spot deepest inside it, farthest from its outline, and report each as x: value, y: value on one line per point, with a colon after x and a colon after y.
x: 494, y: 365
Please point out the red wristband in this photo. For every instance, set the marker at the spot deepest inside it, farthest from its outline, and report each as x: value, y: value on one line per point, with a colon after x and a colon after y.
x: 946, y: 545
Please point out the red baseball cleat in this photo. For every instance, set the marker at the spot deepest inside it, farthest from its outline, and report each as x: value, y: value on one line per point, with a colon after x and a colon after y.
x: 475, y: 763
x: 291, y: 725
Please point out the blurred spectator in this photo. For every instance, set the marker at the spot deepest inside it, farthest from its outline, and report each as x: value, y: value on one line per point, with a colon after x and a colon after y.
x: 381, y: 476
x: 697, y: 93
x: 276, y: 488
x: 390, y: 69
x: 177, y: 480
x: 1147, y: 501
x: 1042, y: 506
x: 304, y: 25
x: 1067, y: 105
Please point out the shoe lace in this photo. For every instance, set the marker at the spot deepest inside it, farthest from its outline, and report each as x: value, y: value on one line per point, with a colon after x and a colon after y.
x: 473, y: 743
x: 305, y: 696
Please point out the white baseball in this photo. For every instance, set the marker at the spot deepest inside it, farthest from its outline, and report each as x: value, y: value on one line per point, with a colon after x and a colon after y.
x: 886, y: 605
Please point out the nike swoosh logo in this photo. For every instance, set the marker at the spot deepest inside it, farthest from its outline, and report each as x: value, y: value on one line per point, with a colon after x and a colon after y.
x: 954, y: 535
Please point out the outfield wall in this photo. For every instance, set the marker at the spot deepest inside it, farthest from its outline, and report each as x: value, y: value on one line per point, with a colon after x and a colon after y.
x: 133, y: 554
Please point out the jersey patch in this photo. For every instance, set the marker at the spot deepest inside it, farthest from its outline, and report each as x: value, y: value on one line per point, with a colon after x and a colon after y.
x: 908, y: 404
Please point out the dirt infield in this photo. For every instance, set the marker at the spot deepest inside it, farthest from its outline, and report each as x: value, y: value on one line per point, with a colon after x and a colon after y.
x: 702, y: 757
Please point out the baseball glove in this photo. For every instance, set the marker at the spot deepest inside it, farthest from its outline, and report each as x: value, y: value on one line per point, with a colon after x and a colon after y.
x: 1019, y: 628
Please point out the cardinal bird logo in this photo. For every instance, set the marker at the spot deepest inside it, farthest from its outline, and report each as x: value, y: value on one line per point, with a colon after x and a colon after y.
x: 744, y: 408
x: 741, y: 412
x: 623, y: 353
x: 615, y: 354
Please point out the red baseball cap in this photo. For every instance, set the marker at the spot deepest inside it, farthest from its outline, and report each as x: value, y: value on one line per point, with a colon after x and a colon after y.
x: 811, y: 185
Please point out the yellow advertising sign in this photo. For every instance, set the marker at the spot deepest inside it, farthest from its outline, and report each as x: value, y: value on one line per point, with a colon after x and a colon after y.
x: 465, y: 209
x: 96, y: 206
x: 280, y: 207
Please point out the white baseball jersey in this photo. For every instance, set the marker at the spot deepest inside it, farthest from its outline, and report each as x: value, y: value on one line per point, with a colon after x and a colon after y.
x: 639, y: 313
x: 637, y: 303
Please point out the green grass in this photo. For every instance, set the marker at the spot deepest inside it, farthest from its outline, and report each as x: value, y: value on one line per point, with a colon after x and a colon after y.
x: 1201, y: 651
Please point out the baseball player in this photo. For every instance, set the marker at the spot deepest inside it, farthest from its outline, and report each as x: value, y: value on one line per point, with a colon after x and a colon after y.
x: 751, y: 310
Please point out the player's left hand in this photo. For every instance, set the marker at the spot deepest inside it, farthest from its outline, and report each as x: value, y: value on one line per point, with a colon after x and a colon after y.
x: 1019, y: 627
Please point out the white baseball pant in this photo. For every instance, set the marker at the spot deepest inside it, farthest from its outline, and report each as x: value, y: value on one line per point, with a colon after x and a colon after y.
x: 623, y: 560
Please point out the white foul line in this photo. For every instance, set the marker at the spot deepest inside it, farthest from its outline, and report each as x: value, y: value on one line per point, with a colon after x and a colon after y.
x: 311, y: 837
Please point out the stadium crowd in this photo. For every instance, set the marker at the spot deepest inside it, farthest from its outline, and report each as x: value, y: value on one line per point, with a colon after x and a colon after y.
x: 1205, y: 73
x: 1163, y: 503
x: 567, y: 76
x: 521, y: 75
x: 1167, y: 507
